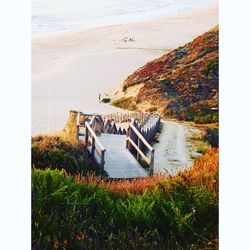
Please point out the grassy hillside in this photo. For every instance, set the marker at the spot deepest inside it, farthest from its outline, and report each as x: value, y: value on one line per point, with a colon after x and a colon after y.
x: 182, y: 84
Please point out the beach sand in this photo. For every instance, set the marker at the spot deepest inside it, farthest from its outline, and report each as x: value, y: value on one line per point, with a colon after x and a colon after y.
x: 70, y: 69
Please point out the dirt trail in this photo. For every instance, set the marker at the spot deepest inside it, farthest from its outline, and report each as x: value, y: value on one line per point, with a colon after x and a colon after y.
x: 173, y: 151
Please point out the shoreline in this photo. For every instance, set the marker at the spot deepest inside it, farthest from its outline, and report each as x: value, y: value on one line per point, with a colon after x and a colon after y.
x: 160, y: 14
x: 70, y: 69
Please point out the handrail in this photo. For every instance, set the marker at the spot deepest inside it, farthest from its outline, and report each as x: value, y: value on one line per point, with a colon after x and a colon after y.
x: 94, y: 140
x: 137, y: 147
x: 78, y: 119
x: 78, y: 124
x: 121, y: 117
x: 139, y: 151
x: 94, y: 135
x: 92, y: 120
x: 141, y: 137
x: 138, y: 139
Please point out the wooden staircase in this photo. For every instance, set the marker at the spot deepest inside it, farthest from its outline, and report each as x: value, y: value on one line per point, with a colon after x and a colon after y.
x: 117, y: 150
x: 119, y: 162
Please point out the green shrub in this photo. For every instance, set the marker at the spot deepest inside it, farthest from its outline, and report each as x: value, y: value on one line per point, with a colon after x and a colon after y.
x: 212, y: 69
x: 70, y: 215
x: 212, y: 137
x: 106, y: 100
x: 55, y: 153
x: 201, y: 150
x: 202, y: 116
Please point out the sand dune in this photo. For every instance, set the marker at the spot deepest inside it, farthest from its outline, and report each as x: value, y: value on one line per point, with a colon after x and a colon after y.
x: 70, y: 69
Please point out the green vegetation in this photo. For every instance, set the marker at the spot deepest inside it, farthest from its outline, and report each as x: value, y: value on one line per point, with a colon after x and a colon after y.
x: 125, y: 103
x: 182, y: 84
x: 56, y: 153
x: 69, y: 215
x: 75, y: 207
x: 202, y: 116
x: 212, y: 69
x: 106, y: 100
x: 87, y: 211
x: 212, y: 136
x: 194, y: 157
x: 201, y: 150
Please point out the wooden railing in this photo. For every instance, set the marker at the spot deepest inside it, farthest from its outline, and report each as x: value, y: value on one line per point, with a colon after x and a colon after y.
x: 95, y: 145
x: 80, y: 123
x: 108, y: 123
x: 111, y: 128
x: 136, y: 140
x: 149, y: 133
x: 138, y: 137
x: 142, y: 117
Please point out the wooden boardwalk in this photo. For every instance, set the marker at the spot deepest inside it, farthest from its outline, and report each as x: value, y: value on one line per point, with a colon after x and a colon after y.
x: 119, y: 162
x: 112, y: 151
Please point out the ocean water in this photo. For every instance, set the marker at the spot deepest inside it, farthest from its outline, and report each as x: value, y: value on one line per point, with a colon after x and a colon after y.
x: 49, y: 16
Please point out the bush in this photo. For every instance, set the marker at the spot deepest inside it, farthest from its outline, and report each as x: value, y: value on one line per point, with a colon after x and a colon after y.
x: 106, y: 100
x: 180, y: 212
x: 201, y: 150
x: 212, y: 137
x: 55, y: 153
x: 202, y: 116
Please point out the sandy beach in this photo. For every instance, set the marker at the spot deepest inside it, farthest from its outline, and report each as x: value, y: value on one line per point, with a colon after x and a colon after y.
x: 70, y: 69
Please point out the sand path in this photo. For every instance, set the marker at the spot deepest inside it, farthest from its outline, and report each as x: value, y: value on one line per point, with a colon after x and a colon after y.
x: 173, y: 152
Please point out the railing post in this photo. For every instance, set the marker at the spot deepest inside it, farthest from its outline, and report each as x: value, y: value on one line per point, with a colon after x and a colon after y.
x: 93, y: 146
x: 128, y: 135
x: 86, y: 136
x: 77, y: 132
x: 138, y: 156
x: 102, y: 160
x: 152, y: 163
x: 77, y: 125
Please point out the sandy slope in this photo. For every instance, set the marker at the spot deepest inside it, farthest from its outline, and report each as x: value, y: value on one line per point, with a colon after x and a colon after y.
x: 70, y: 69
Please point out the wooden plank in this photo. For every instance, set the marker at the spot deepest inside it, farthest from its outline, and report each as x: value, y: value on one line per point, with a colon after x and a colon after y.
x: 114, y: 158
x: 119, y: 162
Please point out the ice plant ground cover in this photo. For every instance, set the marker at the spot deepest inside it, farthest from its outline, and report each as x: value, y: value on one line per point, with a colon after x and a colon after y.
x: 182, y: 84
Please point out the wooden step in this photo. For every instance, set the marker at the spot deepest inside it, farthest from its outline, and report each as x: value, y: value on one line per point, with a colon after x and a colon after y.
x: 119, y: 162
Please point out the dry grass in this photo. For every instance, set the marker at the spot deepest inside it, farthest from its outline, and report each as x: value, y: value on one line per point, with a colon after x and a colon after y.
x: 125, y: 103
x: 134, y: 186
x: 204, y: 172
